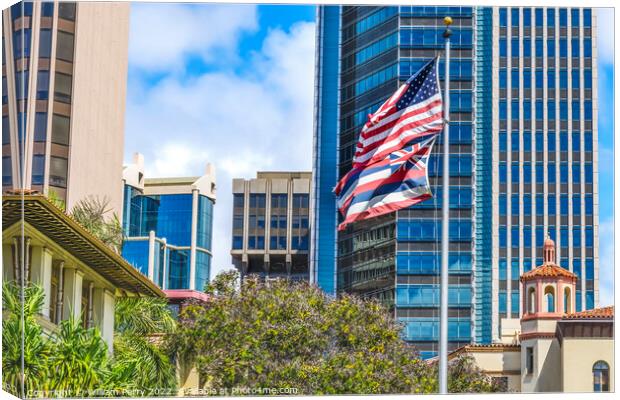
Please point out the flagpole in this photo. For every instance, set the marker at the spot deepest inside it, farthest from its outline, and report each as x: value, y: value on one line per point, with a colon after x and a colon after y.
x: 445, y: 221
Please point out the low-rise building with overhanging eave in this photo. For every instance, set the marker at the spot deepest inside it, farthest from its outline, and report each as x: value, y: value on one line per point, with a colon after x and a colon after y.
x: 79, y: 274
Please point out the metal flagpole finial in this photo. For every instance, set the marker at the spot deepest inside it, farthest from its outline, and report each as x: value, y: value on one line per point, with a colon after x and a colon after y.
x: 447, y: 22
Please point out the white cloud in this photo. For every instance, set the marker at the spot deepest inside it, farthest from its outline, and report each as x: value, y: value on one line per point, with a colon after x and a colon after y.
x: 240, y: 122
x: 163, y: 35
x: 606, y: 260
x: 605, y: 34
x: 176, y: 159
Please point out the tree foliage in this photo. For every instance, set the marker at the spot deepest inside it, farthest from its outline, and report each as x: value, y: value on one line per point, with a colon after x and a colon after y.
x: 36, y: 350
x: 73, y: 360
x: 91, y: 212
x: 139, y: 361
x: 292, y: 335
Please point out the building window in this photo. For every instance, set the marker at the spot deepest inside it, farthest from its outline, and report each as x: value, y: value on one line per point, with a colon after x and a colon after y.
x: 7, y: 176
x: 529, y: 360
x: 43, y: 82
x: 45, y: 43
x: 600, y: 376
x: 58, y: 171
x: 60, y: 129
x: 38, y: 169
x: 6, y: 134
x: 62, y: 88
x: 64, y: 46
x: 66, y: 10
x: 40, y: 126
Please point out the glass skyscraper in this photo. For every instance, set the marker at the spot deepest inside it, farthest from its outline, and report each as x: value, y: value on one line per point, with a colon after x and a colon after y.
x: 168, y: 224
x: 497, y: 137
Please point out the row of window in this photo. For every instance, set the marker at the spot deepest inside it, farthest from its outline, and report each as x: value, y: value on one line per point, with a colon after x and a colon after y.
x: 371, y: 81
x: 539, y: 45
x: 538, y: 76
x: 376, y: 48
x: 298, y: 242
x: 539, y: 17
x: 432, y: 37
x: 459, y: 69
x: 514, y: 299
x: 551, y: 141
x: 430, y: 263
x: 66, y: 10
x: 434, y: 11
x: 428, y: 329
x: 428, y: 295
x: 527, y: 204
x: 278, y: 200
x: 527, y: 237
x: 460, y: 198
x: 551, y: 110
x: 373, y: 20
x: 460, y: 164
x: 430, y: 230
x: 551, y: 172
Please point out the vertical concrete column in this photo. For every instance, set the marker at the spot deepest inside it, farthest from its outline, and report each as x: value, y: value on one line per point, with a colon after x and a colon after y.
x: 90, y: 304
x: 289, y: 226
x: 7, y: 263
x: 194, y: 234
x: 41, y: 274
x: 164, y: 279
x: 151, y: 262
x: 27, y: 260
x: 540, y: 304
x: 103, y: 304
x: 16, y: 263
x: 559, y: 298
x: 60, y: 296
x: 72, y: 292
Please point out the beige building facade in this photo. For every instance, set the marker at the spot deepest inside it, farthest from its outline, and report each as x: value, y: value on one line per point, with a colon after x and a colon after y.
x: 551, y: 348
x: 64, y: 81
x: 79, y: 274
x: 271, y: 225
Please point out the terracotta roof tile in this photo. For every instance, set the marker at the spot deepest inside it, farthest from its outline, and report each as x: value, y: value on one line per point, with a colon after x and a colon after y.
x: 548, y: 270
x: 595, y: 313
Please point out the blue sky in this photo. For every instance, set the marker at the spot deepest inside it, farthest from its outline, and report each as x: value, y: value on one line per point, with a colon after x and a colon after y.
x: 233, y: 85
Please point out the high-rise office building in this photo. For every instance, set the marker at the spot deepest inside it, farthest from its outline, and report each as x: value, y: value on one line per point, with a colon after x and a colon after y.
x: 168, y: 225
x: 518, y: 168
x: 64, y: 79
x: 271, y: 225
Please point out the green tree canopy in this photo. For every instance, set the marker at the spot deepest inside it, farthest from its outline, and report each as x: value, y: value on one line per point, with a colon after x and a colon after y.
x: 292, y: 335
x: 74, y: 361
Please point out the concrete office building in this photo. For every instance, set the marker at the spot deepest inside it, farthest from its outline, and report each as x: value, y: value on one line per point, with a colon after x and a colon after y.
x: 518, y: 168
x: 168, y: 226
x: 271, y: 225
x: 64, y: 78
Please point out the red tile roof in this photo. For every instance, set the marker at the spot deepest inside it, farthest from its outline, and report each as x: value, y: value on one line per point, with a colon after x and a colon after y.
x: 547, y: 271
x: 595, y: 313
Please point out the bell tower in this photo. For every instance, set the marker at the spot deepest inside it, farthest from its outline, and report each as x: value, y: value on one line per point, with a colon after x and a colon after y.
x: 548, y: 293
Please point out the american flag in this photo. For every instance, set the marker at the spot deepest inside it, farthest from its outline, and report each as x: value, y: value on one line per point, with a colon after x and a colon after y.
x: 414, y: 110
x: 389, y: 167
